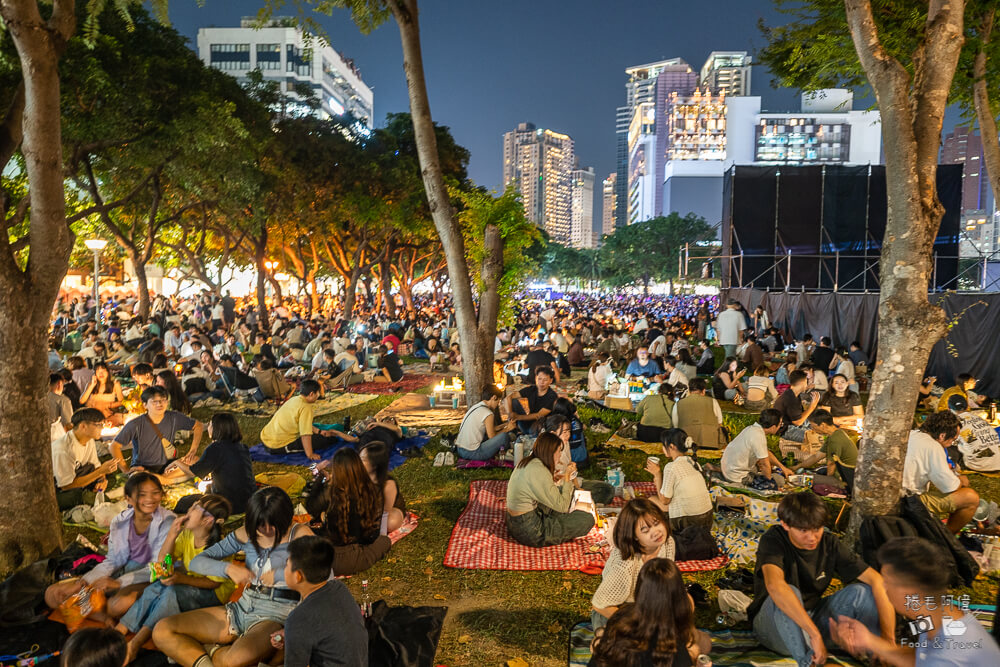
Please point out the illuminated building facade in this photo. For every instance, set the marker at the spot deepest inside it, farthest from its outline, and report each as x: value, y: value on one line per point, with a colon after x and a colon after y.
x: 981, y: 222
x: 582, y: 209
x: 727, y: 73
x: 609, y: 204
x: 283, y: 53
x: 696, y: 126
x: 541, y: 162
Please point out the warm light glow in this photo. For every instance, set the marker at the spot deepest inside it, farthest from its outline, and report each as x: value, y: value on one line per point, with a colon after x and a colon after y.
x: 281, y: 277
x: 95, y: 244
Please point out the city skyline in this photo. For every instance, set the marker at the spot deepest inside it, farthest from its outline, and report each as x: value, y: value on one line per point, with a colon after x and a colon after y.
x: 526, y: 62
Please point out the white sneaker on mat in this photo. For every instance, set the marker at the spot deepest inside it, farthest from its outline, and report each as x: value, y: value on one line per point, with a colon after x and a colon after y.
x: 449, y: 459
x: 439, y: 460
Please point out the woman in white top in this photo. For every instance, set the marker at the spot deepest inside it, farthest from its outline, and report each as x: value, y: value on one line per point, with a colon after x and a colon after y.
x: 641, y: 534
x: 681, y: 487
x: 597, y: 376
x: 761, y: 391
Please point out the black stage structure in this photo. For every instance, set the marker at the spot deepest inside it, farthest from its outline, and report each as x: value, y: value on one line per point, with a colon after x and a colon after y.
x: 805, y: 243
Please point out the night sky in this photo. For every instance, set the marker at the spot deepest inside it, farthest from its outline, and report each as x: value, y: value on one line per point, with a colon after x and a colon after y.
x: 560, y: 65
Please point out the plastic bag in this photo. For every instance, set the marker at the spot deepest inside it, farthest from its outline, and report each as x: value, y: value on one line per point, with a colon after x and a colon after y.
x: 105, y: 512
x: 734, y: 603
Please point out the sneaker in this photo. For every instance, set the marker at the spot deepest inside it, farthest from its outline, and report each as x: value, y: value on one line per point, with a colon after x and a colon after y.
x: 439, y: 460
x: 508, y: 456
x: 449, y: 459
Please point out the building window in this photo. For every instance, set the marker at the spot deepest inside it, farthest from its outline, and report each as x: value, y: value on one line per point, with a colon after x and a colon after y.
x: 230, y: 56
x: 269, y: 56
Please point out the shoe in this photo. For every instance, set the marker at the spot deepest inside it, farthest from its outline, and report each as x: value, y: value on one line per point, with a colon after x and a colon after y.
x: 449, y: 459
x: 508, y: 456
x: 439, y: 460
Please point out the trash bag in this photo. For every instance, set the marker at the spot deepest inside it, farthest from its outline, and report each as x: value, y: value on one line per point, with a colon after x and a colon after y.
x: 403, y: 636
x: 22, y: 594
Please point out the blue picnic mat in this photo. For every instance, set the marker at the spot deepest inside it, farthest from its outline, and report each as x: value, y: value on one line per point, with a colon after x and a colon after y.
x: 261, y: 453
x: 732, y: 648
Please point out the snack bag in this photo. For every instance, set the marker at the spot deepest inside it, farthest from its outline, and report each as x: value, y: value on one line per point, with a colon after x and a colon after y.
x: 161, y: 570
x: 81, y: 605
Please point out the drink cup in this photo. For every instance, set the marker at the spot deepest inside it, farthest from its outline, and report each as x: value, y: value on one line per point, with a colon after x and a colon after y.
x: 654, y: 459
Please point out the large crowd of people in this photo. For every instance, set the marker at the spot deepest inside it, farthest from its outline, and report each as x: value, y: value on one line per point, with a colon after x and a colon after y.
x: 140, y: 378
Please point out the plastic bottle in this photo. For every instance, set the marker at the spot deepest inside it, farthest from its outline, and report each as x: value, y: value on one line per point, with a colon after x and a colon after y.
x: 366, y: 600
x: 518, y: 451
x: 703, y: 661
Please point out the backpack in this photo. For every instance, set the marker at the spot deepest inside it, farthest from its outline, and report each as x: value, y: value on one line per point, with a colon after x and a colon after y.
x: 877, y: 530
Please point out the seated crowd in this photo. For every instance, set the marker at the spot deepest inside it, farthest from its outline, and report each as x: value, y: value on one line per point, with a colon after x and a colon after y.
x: 292, y: 610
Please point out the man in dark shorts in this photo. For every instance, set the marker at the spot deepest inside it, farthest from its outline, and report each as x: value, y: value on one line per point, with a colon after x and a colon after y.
x: 152, y: 435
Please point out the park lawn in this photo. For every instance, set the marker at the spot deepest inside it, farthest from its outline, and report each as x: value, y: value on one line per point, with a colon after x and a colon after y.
x: 495, y: 616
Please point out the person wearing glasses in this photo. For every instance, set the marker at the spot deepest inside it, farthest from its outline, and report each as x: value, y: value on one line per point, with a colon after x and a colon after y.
x: 152, y: 435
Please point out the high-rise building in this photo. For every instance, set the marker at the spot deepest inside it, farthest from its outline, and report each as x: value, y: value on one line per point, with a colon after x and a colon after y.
x: 981, y: 224
x: 727, y: 73
x: 582, y: 209
x: 609, y: 204
x: 283, y: 53
x: 647, y: 83
x: 541, y: 162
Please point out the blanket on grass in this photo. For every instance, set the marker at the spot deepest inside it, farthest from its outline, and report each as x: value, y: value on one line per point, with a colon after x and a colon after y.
x: 261, y: 453
x: 324, y: 406
x: 654, y: 448
x: 407, y: 383
x: 733, y: 648
x: 415, y: 410
x: 480, y: 540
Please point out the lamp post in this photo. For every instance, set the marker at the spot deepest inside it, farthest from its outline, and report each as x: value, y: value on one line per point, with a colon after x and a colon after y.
x: 96, y: 245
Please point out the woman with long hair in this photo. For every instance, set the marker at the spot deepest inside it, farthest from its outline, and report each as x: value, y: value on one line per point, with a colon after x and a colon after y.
x: 597, y: 375
x: 539, y: 499
x: 241, y: 631
x: 641, y: 534
x: 761, y: 391
x: 104, y: 393
x: 349, y: 507
x: 657, y: 630
x: 375, y: 457
x: 843, y: 403
x: 179, y: 402
x: 726, y: 381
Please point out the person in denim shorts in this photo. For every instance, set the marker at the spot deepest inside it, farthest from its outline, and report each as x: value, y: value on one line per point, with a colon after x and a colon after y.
x: 242, y: 628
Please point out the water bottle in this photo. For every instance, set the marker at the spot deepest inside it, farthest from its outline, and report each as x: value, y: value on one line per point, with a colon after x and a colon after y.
x: 518, y: 451
x: 366, y: 600
x: 703, y: 661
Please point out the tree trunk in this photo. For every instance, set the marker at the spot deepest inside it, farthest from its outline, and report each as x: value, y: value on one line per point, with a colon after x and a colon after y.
x: 984, y: 114
x: 30, y: 522
x: 474, y: 357
x: 385, y: 278
x: 142, y: 285
x: 912, y: 115
x: 407, y: 292
x: 350, y: 295
x: 261, y: 292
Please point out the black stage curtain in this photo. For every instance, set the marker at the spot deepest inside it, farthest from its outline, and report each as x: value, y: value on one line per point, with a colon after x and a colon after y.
x: 845, y: 225
x: 754, y: 194
x: 846, y: 317
x: 799, y: 228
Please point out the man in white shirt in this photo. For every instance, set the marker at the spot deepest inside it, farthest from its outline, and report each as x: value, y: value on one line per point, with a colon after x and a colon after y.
x: 747, y: 456
x: 730, y: 326
x: 347, y: 368
x: 926, y: 471
x: 675, y: 377
x: 77, y: 470
x: 172, y: 341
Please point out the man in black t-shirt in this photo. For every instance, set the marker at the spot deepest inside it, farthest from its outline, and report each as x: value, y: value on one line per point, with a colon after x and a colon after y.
x: 538, y: 357
x: 796, y: 562
x: 540, y: 399
x: 789, y: 404
x: 822, y: 356
x: 388, y: 361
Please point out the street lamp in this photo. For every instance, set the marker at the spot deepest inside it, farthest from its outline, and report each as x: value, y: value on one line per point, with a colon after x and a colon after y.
x: 96, y: 245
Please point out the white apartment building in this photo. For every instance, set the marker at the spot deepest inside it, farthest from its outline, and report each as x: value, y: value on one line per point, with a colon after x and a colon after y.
x: 285, y: 54
x: 582, y: 209
x: 541, y: 162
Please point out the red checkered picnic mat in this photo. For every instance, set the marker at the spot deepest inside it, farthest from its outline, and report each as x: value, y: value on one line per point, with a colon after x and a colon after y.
x: 406, y: 384
x: 480, y: 540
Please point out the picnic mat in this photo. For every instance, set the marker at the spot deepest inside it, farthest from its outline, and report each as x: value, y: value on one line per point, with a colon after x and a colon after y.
x: 733, y: 648
x: 324, y: 406
x: 480, y: 540
x: 407, y: 383
x: 409, y: 524
x: 414, y: 410
x: 655, y: 448
x: 261, y: 453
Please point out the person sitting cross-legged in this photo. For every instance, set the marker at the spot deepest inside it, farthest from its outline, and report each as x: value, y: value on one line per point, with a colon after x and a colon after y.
x: 480, y: 437
x: 539, y: 397
x: 927, y: 473
x: 291, y: 428
x: 79, y: 473
x: 837, y: 445
x: 789, y: 404
x: 796, y: 562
